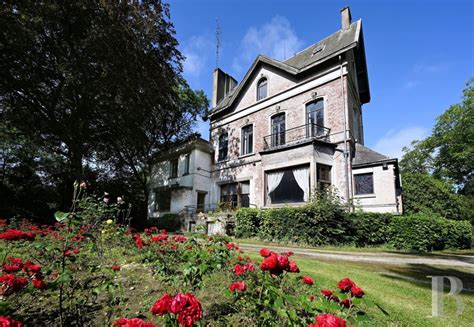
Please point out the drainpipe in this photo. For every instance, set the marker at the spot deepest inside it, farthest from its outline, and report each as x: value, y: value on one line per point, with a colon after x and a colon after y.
x: 346, y: 152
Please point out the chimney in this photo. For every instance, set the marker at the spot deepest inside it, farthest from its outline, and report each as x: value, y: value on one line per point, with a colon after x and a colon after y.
x: 222, y: 84
x: 346, y: 18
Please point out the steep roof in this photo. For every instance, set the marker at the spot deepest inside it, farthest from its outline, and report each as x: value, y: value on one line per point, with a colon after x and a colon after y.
x: 365, y: 156
x: 329, y: 47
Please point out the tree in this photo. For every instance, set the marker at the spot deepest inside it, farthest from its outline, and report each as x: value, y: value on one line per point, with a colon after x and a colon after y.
x: 449, y: 152
x: 438, y: 172
x: 89, y: 81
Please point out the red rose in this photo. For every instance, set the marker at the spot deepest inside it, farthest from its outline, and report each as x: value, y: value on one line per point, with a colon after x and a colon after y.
x: 134, y: 322
x: 15, y: 261
x: 116, y: 267
x: 239, y: 269
x: 7, y: 321
x: 191, y: 313
x: 11, y: 268
x: 178, y: 303
x: 328, y: 320
x: 293, y: 267
x: 307, y: 280
x: 287, y: 253
x: 38, y: 283
x: 250, y: 267
x: 312, y: 297
x: 329, y: 295
x: 269, y: 263
x: 357, y: 291
x: 345, y: 284
x: 346, y: 303
x: 264, y: 252
x: 238, y: 286
x: 283, y: 262
x: 161, y: 305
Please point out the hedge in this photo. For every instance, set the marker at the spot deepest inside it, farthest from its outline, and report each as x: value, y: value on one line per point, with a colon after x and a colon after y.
x: 427, y: 232
x: 319, y: 225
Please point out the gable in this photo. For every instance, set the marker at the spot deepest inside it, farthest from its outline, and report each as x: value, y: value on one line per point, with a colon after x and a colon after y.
x: 277, y: 81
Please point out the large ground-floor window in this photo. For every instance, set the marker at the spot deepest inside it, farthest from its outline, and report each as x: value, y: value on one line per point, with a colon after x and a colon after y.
x: 289, y: 185
x: 163, y: 200
x: 236, y: 194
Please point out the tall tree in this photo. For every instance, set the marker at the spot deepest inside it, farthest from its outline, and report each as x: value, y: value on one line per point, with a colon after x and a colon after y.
x: 89, y: 81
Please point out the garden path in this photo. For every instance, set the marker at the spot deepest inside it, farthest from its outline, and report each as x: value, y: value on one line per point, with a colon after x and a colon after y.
x: 466, y: 261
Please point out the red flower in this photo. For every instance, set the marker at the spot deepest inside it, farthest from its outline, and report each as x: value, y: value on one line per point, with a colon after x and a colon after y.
x: 191, y: 313
x: 346, y: 303
x: 116, y: 267
x: 269, y: 263
x: 307, y: 280
x: 231, y: 246
x: 10, y: 284
x: 293, y: 267
x: 345, y: 284
x: 31, y: 267
x: 329, y: 295
x: 163, y: 231
x: 38, y: 283
x: 238, y: 286
x: 15, y: 261
x: 264, y: 252
x: 312, y: 297
x: 161, y: 305
x: 7, y: 321
x: 11, y: 268
x: 159, y: 238
x: 239, y: 269
x: 134, y: 322
x: 357, y: 291
x: 250, y: 267
x: 178, y: 303
x: 287, y: 253
x: 328, y: 320
x: 283, y: 262
x: 16, y: 235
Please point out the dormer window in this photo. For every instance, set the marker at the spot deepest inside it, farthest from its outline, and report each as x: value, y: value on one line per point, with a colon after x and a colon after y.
x: 262, y: 89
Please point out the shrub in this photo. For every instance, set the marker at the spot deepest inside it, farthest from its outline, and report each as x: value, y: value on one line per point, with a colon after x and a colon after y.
x: 427, y: 232
x: 322, y: 221
x: 247, y: 222
x: 170, y: 222
x: 369, y: 229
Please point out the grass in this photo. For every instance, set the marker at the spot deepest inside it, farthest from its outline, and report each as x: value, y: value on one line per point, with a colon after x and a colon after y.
x: 403, y: 291
x: 352, y: 248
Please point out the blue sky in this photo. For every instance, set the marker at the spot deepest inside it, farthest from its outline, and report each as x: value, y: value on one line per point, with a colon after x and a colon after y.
x: 419, y: 53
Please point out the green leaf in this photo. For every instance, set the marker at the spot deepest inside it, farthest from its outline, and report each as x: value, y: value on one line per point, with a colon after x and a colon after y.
x: 61, y: 216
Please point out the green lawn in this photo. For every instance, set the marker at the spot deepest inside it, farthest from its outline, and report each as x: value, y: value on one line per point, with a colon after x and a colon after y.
x: 350, y: 248
x: 408, y: 302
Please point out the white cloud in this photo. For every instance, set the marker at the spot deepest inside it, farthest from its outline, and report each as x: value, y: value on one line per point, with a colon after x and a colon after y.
x: 411, y: 84
x: 197, y: 51
x: 430, y: 68
x: 392, y: 143
x: 275, y: 39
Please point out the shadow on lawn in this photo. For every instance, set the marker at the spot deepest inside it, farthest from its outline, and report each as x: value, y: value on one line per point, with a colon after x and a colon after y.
x: 417, y: 274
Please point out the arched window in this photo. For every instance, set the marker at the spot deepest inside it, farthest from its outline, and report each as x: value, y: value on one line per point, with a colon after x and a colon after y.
x: 315, y: 117
x: 262, y: 89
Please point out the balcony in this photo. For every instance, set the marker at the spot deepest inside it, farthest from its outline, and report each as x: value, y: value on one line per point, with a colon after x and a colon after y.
x: 296, y: 135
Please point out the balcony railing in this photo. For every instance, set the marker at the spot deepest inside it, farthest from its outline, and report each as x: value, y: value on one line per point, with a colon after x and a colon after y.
x: 296, y: 135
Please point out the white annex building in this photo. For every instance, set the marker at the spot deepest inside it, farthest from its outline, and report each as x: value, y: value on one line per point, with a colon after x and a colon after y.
x: 287, y: 129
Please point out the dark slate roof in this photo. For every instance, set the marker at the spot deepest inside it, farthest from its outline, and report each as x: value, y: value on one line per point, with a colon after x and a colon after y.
x: 333, y: 45
x: 365, y: 156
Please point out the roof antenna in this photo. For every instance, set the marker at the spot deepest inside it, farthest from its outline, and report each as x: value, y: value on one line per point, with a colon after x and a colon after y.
x: 218, y: 41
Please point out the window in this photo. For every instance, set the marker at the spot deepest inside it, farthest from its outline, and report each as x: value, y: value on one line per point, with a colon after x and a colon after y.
x: 262, y: 89
x: 278, y: 130
x: 162, y: 200
x: 187, y: 159
x: 223, y: 146
x: 236, y: 195
x: 364, y: 183
x: 315, y: 117
x: 174, y: 168
x: 323, y: 176
x: 247, y: 140
x: 290, y: 185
